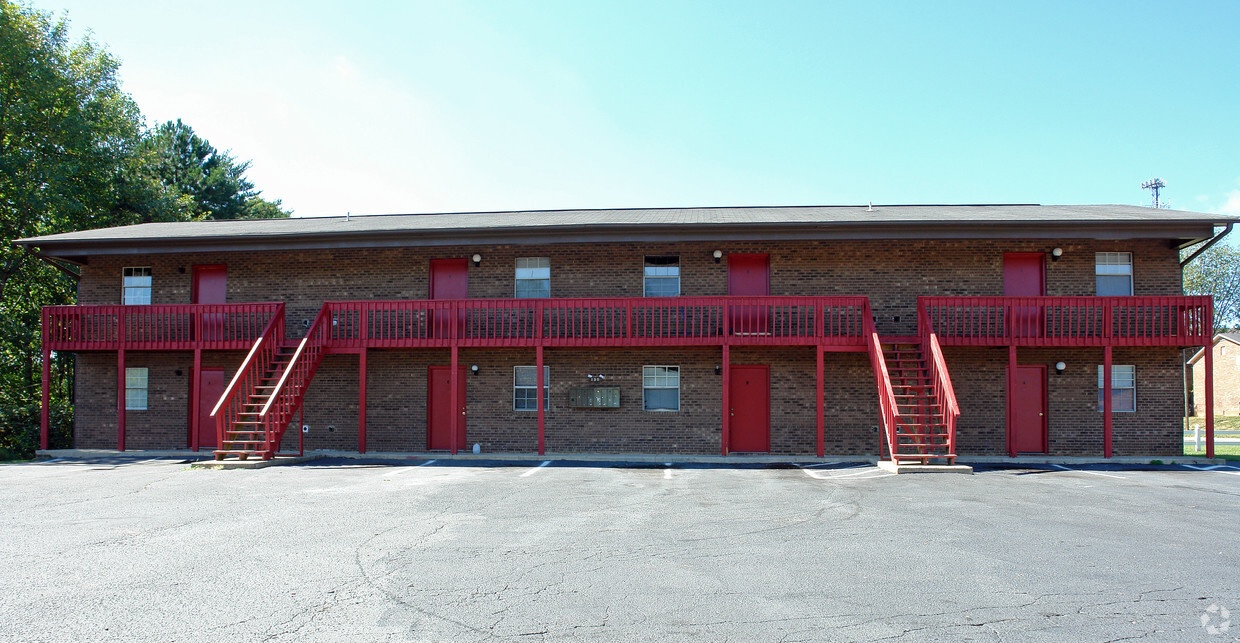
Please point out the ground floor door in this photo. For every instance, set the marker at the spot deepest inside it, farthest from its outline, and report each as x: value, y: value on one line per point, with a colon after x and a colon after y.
x: 1029, y: 410
x: 439, y: 413
x: 210, y: 388
x: 749, y: 396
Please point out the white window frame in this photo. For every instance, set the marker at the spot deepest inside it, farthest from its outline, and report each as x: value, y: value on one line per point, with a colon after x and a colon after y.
x: 137, y: 397
x: 132, y: 285
x: 1113, y: 264
x: 531, y: 269
x: 661, y: 387
x: 662, y: 272
x: 1123, y: 378
x: 525, y: 387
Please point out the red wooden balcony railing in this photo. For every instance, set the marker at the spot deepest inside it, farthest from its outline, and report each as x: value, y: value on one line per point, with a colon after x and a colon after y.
x: 1069, y: 321
x: 887, y: 408
x: 174, y: 327
x: 598, y: 322
x: 940, y: 381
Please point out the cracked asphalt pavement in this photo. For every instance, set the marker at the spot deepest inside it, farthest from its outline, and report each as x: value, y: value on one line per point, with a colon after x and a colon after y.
x: 152, y: 550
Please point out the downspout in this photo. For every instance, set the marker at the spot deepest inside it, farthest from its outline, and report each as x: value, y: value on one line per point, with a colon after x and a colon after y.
x: 1209, y: 243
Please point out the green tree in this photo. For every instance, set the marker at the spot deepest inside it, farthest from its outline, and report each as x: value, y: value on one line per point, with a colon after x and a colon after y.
x: 1216, y: 272
x: 212, y: 183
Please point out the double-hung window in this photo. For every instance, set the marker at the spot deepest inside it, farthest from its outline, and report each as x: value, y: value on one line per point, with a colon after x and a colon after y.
x: 662, y: 277
x: 1123, y: 388
x: 533, y: 278
x: 525, y: 388
x: 135, y: 389
x: 136, y: 286
x: 1113, y: 274
x: 661, y: 388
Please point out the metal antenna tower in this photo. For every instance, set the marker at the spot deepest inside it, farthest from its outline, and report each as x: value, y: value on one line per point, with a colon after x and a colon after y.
x: 1154, y: 185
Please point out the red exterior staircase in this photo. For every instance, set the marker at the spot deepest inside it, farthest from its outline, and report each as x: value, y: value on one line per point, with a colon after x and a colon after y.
x: 922, y: 432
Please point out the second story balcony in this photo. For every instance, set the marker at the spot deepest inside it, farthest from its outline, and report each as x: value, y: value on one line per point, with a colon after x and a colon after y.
x: 169, y: 327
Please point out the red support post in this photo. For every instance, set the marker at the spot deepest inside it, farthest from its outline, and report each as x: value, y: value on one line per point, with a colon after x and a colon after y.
x: 361, y: 401
x: 120, y: 400
x: 194, y: 384
x: 45, y: 420
x: 1209, y: 392
x: 727, y: 403
x: 1011, y: 401
x: 1106, y: 401
x: 821, y: 405
x: 453, y: 398
x: 538, y: 375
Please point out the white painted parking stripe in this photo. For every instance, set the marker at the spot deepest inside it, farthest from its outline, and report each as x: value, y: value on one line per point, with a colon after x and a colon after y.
x: 427, y: 462
x: 535, y: 469
x: 1215, y: 469
x: 822, y: 476
x: 1092, y: 473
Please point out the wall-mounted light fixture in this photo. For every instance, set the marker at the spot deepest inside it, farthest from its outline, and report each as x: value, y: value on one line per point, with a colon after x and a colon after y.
x: 718, y: 370
x: 181, y: 269
x: 594, y: 378
x: 718, y: 254
x: 474, y: 369
x: 477, y: 259
x: 1059, y: 368
x: 1056, y: 254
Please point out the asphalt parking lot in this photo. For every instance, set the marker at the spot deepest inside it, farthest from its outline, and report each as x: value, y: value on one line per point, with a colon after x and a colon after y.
x: 134, y: 550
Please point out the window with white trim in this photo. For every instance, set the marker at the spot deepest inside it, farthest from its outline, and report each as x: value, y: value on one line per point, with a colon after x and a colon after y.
x: 1123, y: 388
x: 1113, y: 274
x: 135, y: 389
x: 136, y: 286
x: 525, y: 388
x: 661, y: 388
x: 533, y: 278
x: 662, y: 277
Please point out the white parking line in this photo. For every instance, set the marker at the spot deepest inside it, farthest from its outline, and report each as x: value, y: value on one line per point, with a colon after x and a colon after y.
x: 867, y: 469
x: 426, y: 463
x: 667, y: 473
x: 1215, y: 468
x: 535, y: 469
x: 1092, y: 473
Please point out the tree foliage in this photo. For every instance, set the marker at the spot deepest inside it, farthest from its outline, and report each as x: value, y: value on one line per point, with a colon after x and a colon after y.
x: 74, y: 155
x: 1216, y: 272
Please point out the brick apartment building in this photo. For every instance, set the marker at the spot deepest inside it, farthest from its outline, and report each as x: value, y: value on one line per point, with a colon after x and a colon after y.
x: 919, y: 331
x: 1226, y: 367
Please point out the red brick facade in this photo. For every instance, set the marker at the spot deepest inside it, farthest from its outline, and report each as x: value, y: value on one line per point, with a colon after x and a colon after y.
x: 891, y: 274
x: 1226, y: 380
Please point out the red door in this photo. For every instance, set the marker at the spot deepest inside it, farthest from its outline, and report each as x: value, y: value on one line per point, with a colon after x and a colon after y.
x: 1024, y: 275
x: 1029, y: 410
x: 439, y: 408
x: 749, y: 394
x: 210, y: 287
x: 210, y: 388
x: 449, y: 280
x: 749, y: 275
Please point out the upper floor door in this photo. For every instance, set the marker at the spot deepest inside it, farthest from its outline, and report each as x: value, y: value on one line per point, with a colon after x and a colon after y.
x: 449, y: 279
x: 211, y: 287
x: 749, y: 275
x: 1024, y: 275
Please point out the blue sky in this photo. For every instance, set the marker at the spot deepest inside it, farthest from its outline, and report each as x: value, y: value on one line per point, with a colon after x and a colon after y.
x: 437, y: 106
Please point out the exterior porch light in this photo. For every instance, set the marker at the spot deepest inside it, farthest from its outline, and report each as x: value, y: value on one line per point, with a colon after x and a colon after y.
x: 477, y: 259
x: 1059, y: 368
x: 1056, y: 254
x: 718, y: 254
x: 474, y: 369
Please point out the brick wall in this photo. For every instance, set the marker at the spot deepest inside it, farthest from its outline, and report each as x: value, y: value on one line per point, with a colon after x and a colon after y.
x: 1226, y: 381
x: 891, y: 274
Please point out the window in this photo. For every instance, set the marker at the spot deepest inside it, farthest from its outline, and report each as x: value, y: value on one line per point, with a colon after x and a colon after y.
x: 525, y: 388
x: 136, y: 286
x: 661, y: 388
x: 1113, y: 274
x: 135, y: 389
x: 533, y: 277
x: 1123, y: 388
x: 662, y: 277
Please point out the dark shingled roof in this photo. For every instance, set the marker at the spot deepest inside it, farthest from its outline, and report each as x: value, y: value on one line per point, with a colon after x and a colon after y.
x: 736, y: 223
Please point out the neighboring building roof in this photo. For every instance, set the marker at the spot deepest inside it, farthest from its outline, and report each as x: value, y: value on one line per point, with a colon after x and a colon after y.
x: 656, y: 224
x: 1231, y: 337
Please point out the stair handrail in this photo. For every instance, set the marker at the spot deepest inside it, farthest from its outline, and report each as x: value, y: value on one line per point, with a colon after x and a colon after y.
x: 304, y: 363
x: 261, y: 354
x: 940, y: 379
x: 886, y: 394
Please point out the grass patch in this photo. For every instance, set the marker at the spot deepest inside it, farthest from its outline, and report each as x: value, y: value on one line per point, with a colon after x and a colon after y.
x: 1221, y: 451
x: 1221, y: 423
